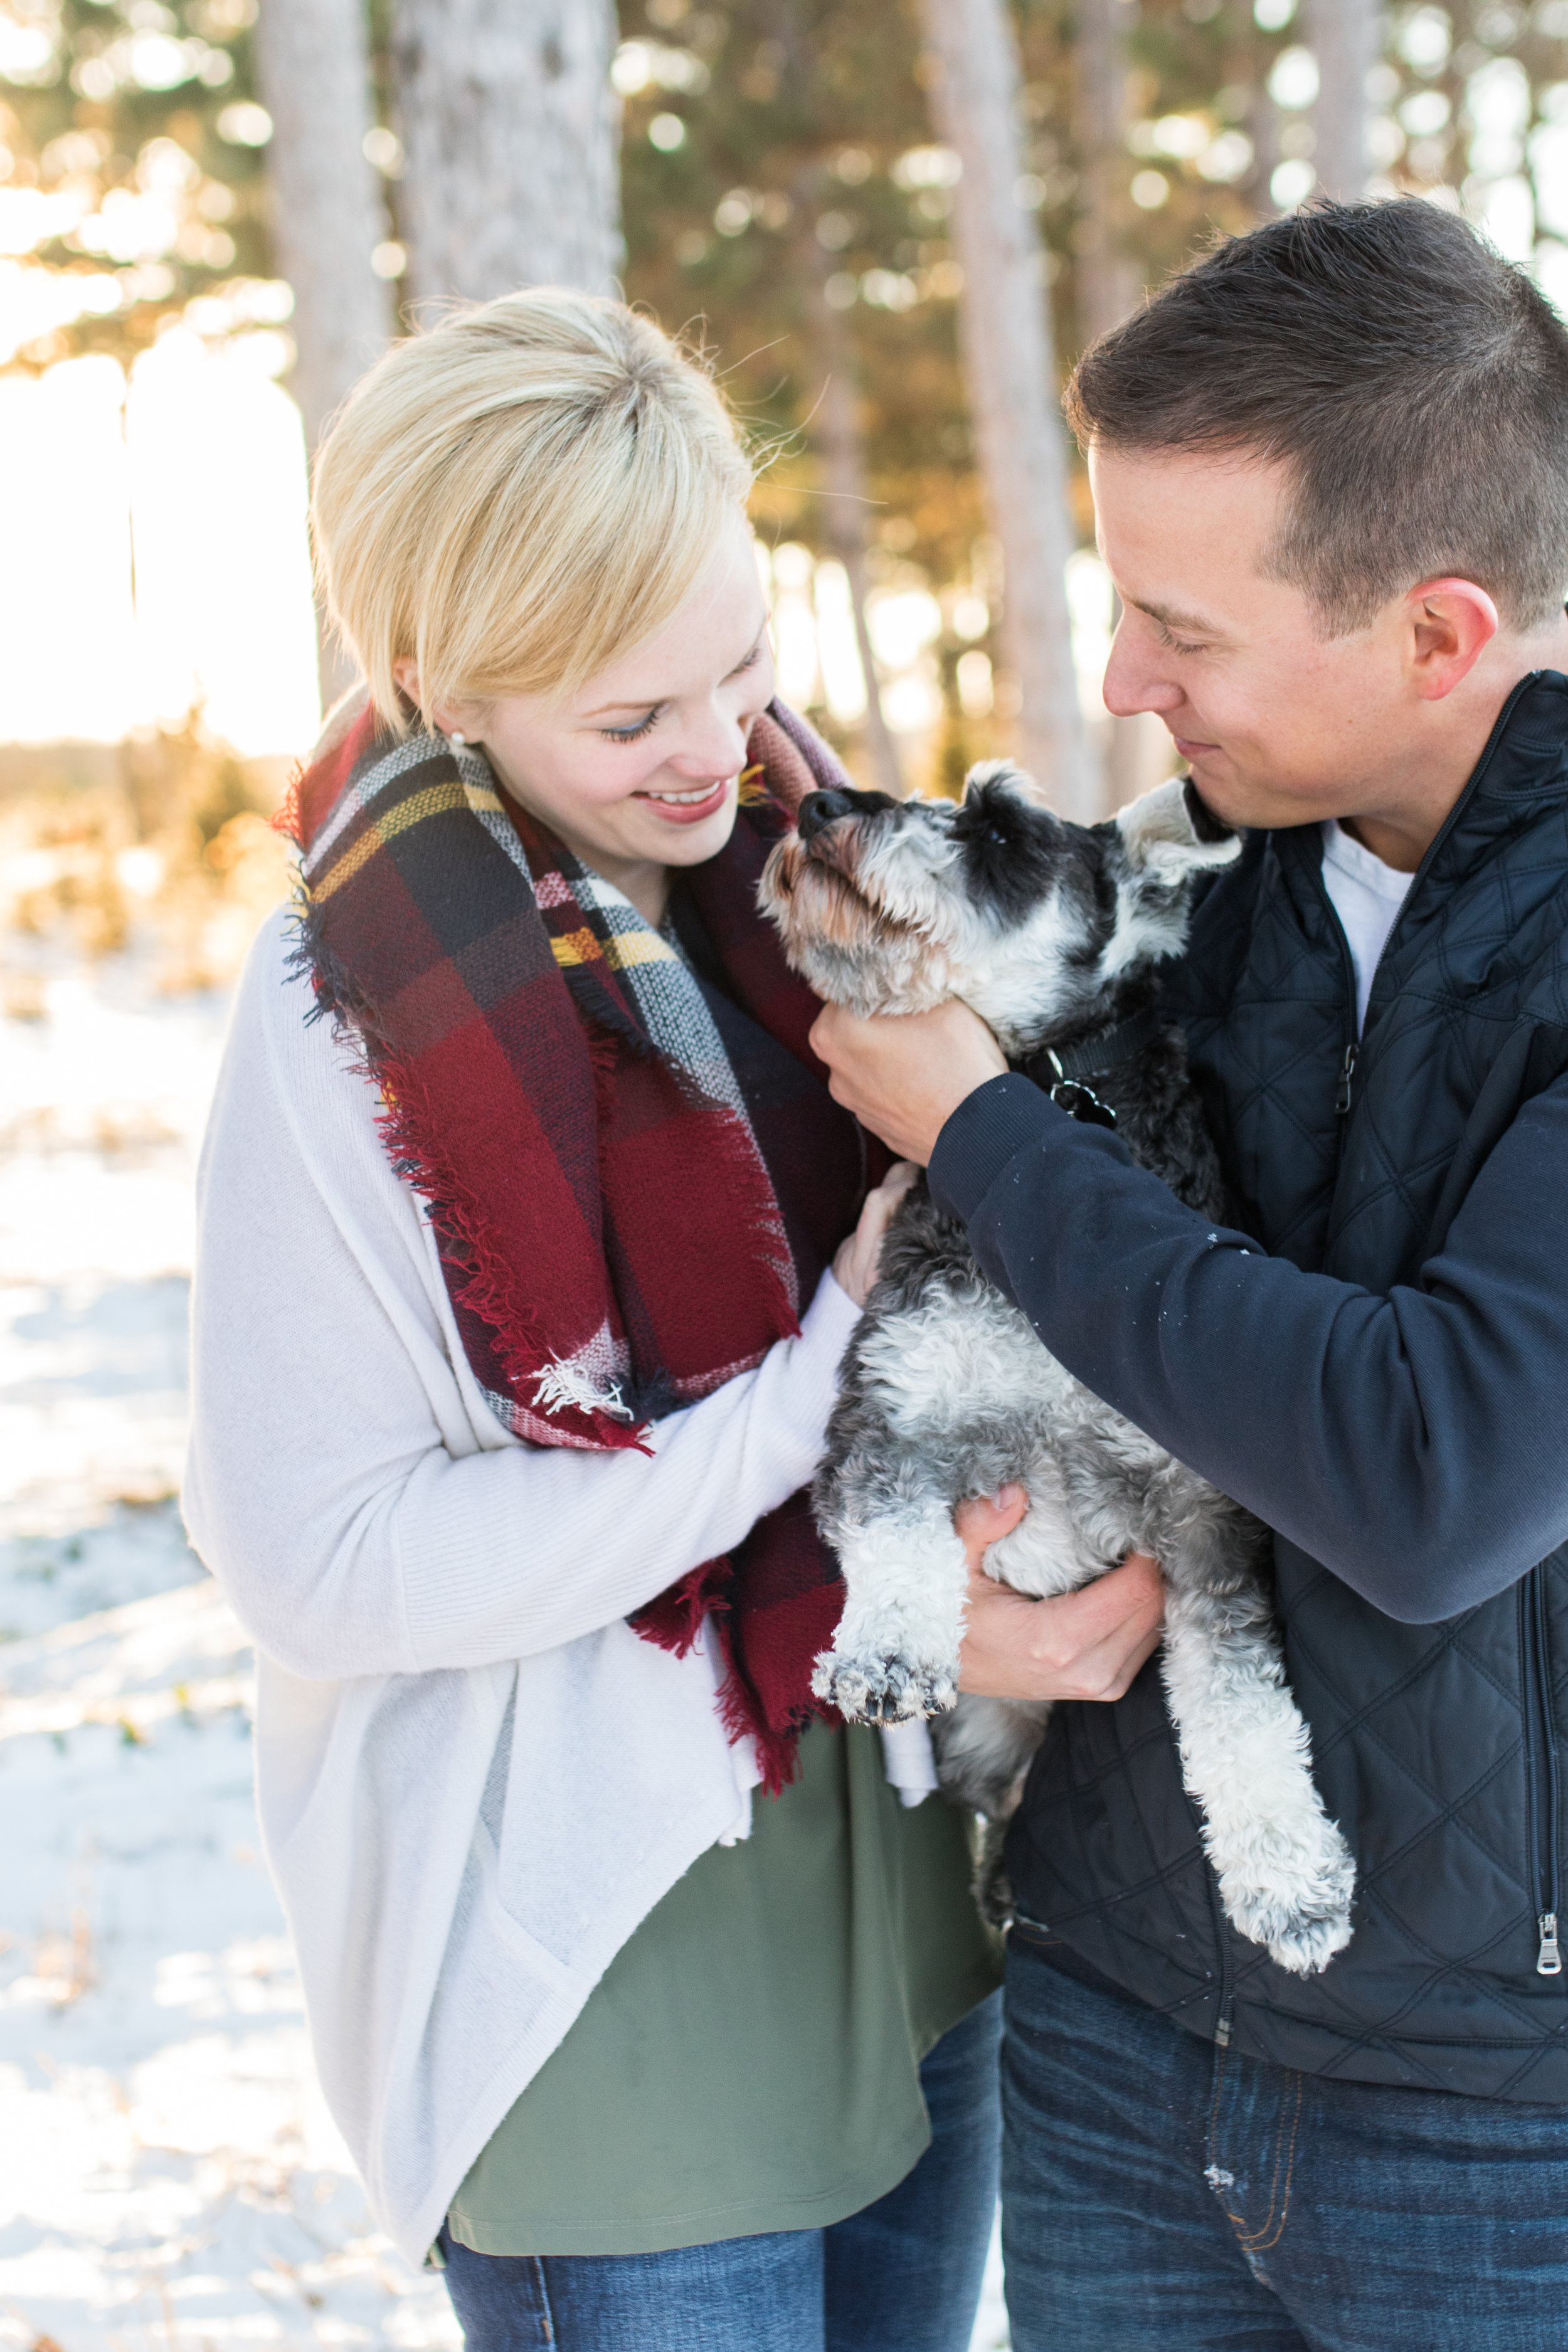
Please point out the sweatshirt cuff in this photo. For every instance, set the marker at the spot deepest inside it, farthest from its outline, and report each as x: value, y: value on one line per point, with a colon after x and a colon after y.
x: 989, y: 1126
x: 830, y: 1318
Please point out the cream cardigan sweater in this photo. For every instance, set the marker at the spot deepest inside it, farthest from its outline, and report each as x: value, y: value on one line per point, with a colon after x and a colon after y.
x: 474, y: 1779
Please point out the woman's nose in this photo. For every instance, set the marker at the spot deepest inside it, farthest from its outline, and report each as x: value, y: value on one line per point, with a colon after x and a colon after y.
x: 713, y: 746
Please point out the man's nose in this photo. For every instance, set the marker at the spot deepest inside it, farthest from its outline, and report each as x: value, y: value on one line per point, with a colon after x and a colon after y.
x: 1133, y: 681
x: 819, y: 810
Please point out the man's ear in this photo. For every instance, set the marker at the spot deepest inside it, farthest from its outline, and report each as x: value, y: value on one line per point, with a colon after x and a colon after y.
x: 1451, y: 623
x: 1169, y: 835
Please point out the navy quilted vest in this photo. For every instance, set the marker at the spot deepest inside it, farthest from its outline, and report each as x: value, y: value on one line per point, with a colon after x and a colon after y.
x: 1440, y: 1749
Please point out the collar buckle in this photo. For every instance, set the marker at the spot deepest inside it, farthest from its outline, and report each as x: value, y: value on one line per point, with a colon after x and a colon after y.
x: 1079, y: 1100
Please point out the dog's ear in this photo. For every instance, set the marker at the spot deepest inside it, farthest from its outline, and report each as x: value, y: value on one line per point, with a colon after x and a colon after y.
x: 1003, y: 774
x: 1169, y: 835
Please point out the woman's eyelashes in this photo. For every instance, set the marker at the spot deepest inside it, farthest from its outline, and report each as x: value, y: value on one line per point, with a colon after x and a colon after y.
x: 635, y: 734
x: 641, y: 727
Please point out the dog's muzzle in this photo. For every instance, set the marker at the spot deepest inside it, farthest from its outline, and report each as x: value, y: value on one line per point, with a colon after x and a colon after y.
x: 819, y: 810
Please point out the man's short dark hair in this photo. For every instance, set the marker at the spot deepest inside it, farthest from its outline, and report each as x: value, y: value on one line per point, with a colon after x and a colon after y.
x: 1414, y: 382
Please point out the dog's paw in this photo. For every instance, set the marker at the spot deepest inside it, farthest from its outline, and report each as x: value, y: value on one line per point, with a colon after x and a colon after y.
x: 1302, y: 1918
x: 1306, y: 1945
x: 869, y: 1689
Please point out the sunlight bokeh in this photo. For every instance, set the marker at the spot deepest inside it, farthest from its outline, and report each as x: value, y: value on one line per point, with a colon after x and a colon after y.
x: 157, y: 549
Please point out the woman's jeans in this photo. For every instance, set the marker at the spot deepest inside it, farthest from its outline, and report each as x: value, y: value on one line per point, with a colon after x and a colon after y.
x: 901, y: 2276
x: 1163, y: 2195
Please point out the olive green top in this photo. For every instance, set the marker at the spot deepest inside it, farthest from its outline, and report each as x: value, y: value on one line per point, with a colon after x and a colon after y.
x: 750, y: 2060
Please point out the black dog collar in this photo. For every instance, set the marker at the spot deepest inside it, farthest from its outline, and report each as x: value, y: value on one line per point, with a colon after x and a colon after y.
x: 1062, y: 1070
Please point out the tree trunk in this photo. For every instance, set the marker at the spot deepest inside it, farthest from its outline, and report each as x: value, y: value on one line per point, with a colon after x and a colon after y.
x: 1107, y: 283
x: 835, y: 428
x: 1343, y: 39
x: 1010, y: 368
x: 327, y: 213
x: 511, y: 132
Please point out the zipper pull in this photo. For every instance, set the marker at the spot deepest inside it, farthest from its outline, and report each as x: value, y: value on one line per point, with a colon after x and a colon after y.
x: 1548, y: 1959
x: 1347, y: 1071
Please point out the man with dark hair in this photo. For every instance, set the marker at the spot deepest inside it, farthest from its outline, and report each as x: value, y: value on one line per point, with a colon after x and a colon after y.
x: 1331, y: 473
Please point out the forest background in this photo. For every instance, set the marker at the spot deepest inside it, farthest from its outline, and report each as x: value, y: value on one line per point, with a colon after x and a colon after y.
x: 892, y: 227
x: 892, y: 224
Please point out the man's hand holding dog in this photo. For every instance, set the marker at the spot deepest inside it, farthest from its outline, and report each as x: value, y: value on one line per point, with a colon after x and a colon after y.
x: 1083, y: 1644
x: 904, y: 1076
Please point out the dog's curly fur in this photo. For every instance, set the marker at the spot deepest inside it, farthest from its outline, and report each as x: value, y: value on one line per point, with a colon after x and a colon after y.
x: 1053, y: 932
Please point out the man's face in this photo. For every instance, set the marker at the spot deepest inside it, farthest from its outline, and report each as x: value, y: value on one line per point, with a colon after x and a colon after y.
x: 1280, y: 724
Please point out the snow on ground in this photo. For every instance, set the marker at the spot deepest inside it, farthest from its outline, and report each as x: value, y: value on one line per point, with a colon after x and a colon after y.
x: 170, y: 2179
x: 169, y: 2176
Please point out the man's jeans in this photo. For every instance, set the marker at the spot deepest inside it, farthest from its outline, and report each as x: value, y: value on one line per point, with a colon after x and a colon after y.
x: 901, y: 2276
x: 1160, y: 2194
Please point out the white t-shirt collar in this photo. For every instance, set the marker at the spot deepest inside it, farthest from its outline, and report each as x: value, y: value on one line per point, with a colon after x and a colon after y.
x: 1366, y: 895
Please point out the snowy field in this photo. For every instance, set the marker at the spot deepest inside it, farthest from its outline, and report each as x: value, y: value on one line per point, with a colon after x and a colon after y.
x: 170, y: 2180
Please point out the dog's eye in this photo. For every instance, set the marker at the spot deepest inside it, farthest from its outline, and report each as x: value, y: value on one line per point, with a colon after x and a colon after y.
x: 995, y: 832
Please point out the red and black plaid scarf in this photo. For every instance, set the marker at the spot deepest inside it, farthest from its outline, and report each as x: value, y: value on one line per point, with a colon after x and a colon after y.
x: 554, y: 1082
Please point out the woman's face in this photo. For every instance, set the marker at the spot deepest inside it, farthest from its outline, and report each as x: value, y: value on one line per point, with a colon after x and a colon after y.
x: 638, y: 768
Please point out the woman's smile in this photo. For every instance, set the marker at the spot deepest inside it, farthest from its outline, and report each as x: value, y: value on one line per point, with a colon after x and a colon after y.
x: 691, y: 807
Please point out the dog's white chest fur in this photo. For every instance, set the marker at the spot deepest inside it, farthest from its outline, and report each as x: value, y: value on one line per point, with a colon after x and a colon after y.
x: 971, y: 1346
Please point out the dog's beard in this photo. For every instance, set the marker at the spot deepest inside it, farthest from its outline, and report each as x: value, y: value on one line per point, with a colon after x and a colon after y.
x: 845, y: 946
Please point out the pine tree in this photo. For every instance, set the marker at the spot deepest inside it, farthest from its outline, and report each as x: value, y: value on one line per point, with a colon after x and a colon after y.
x: 1343, y: 36
x: 328, y: 218
x: 1011, y: 379
x: 141, y: 130
x: 510, y: 124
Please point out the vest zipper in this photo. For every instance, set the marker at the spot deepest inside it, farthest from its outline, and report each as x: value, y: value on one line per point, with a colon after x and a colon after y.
x: 1347, y: 1072
x: 1541, y: 1749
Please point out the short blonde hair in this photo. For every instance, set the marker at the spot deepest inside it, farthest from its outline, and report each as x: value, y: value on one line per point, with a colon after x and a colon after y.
x: 518, y: 494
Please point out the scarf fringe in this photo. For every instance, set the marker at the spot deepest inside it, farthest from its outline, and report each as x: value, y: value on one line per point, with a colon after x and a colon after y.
x: 777, y: 1752
x: 486, y: 1286
x: 673, y: 1622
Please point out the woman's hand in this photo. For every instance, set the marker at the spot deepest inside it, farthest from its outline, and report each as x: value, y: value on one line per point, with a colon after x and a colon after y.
x: 1084, y: 1644
x: 855, y: 1262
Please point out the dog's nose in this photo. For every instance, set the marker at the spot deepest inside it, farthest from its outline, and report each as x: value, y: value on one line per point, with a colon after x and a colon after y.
x: 819, y: 810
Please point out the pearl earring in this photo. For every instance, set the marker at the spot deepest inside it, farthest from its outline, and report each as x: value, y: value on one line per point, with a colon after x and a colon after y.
x: 460, y: 740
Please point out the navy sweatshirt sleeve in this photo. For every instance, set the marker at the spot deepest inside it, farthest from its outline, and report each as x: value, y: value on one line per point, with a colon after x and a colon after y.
x: 1415, y: 1444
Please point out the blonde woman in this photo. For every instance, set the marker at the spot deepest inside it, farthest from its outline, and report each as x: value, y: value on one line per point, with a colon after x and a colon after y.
x: 643, y: 2000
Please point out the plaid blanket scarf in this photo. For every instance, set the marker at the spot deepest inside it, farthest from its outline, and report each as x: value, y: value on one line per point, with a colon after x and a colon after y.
x: 554, y: 1083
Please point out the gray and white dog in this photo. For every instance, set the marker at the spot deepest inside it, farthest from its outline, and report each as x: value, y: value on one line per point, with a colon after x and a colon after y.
x: 1053, y: 933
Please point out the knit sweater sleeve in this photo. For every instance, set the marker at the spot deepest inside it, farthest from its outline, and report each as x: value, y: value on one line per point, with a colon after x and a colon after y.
x: 363, y: 1509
